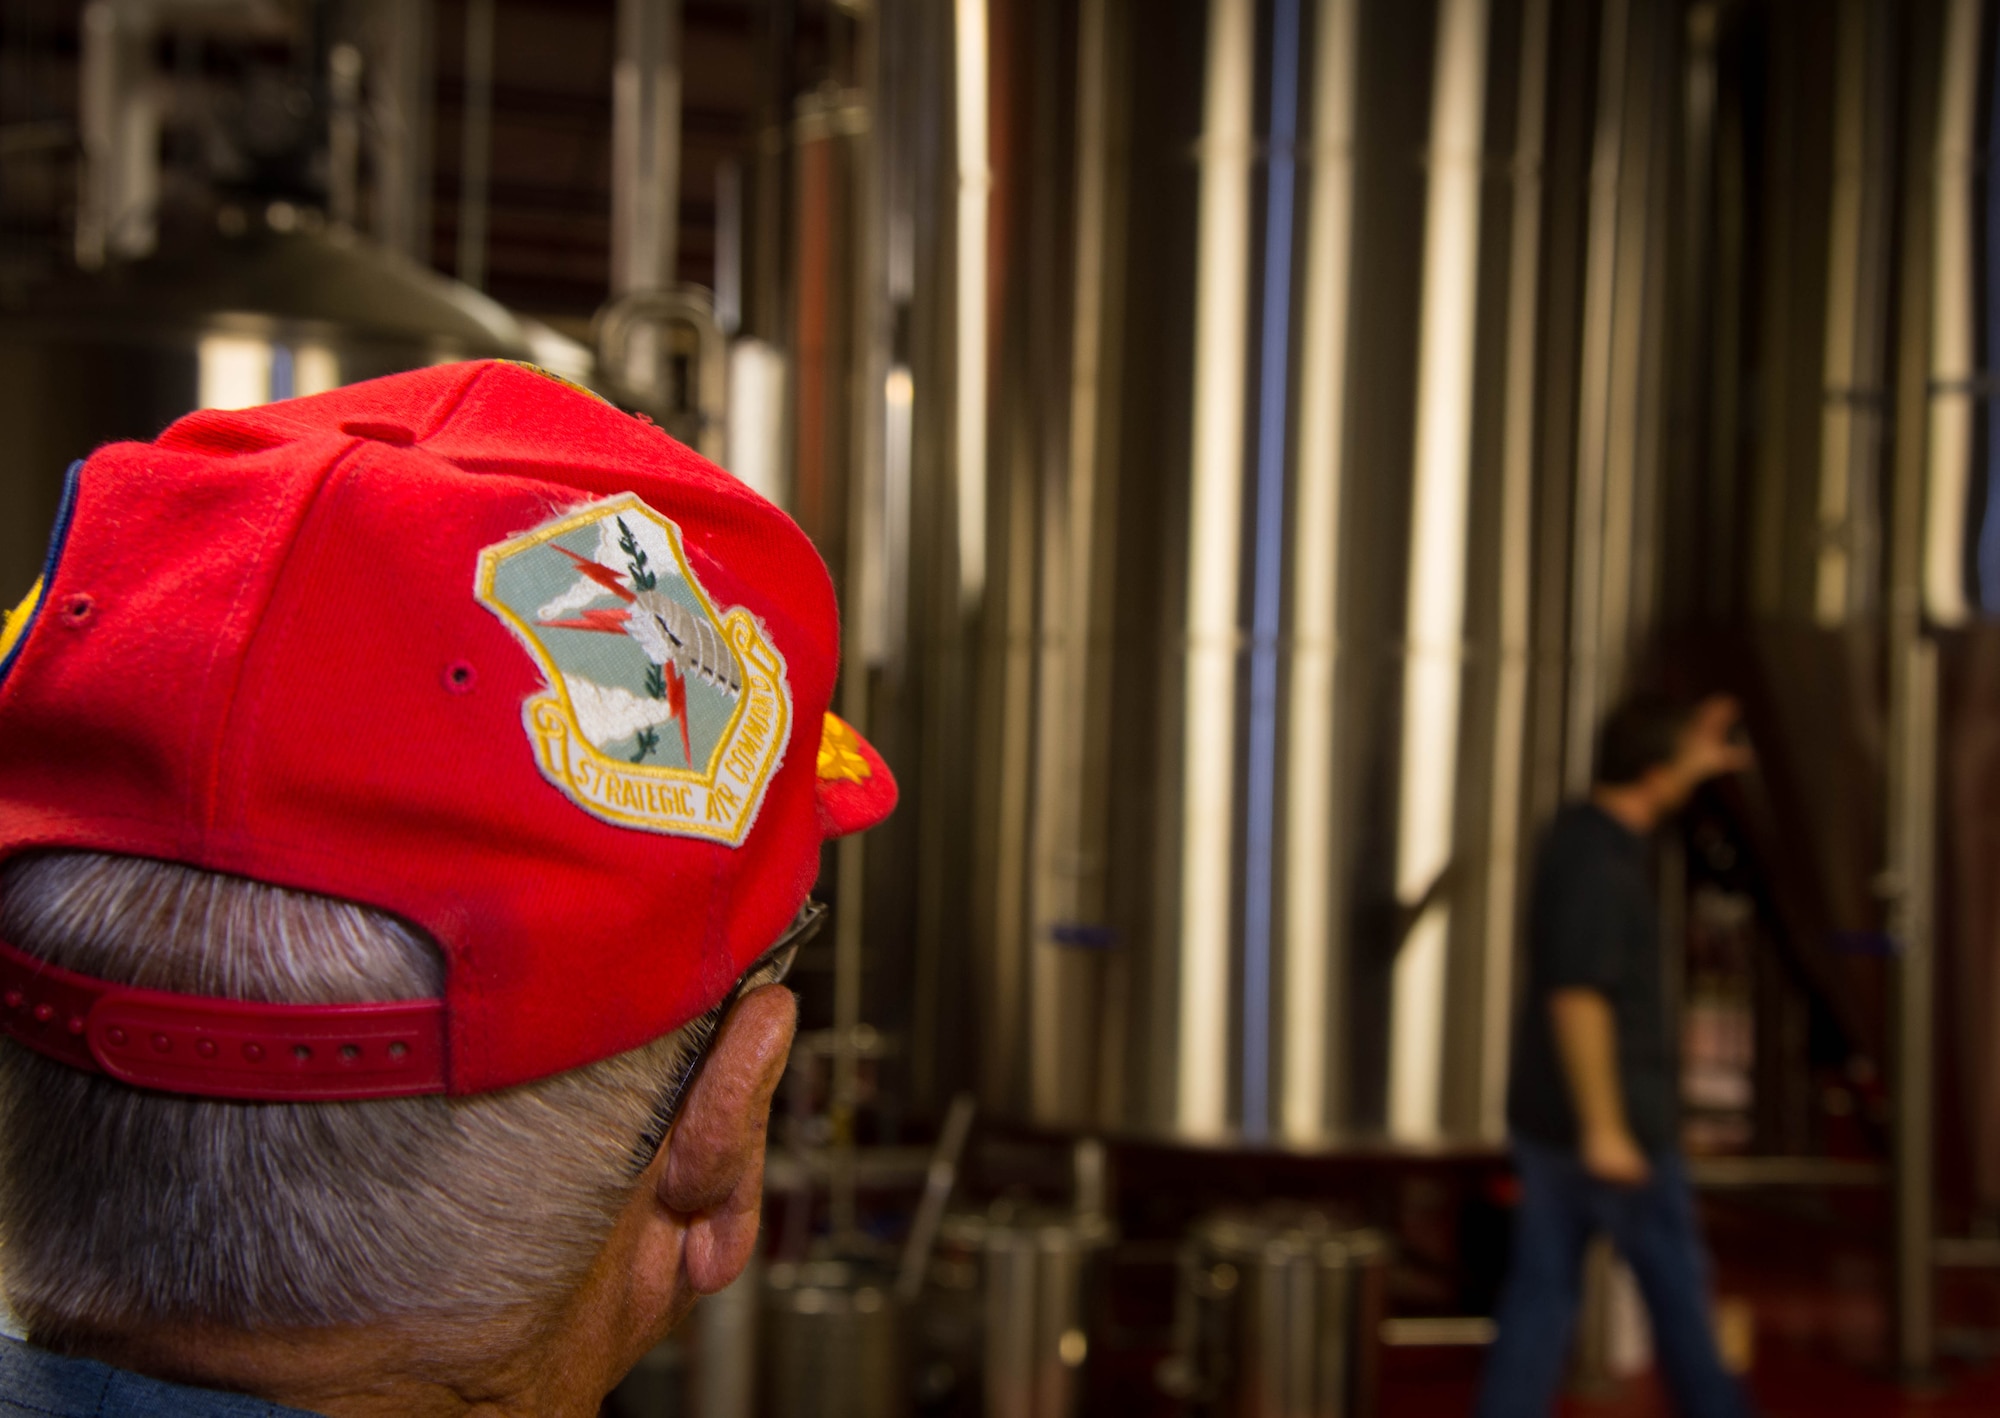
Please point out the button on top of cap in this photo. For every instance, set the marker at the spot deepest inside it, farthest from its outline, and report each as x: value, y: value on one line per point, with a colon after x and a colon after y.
x: 381, y: 430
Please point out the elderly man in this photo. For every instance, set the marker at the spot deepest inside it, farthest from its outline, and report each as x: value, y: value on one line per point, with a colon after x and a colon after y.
x: 409, y: 798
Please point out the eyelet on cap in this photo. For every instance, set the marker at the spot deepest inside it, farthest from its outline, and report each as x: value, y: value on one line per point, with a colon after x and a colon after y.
x: 460, y: 677
x: 77, y: 608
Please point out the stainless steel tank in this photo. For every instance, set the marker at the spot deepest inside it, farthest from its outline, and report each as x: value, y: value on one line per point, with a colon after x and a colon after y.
x: 282, y: 307
x: 1284, y: 389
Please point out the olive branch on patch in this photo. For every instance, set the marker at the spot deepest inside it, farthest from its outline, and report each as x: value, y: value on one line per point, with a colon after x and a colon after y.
x: 656, y: 681
x: 649, y: 743
x: 643, y: 576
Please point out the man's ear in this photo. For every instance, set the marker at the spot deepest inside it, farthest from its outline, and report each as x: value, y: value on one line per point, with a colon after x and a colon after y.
x: 714, y: 1177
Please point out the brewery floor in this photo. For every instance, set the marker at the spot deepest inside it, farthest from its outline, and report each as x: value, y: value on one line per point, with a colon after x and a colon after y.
x: 1813, y: 1272
x: 1787, y: 1384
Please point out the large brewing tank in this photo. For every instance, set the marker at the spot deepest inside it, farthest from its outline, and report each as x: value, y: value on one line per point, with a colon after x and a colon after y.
x: 1285, y: 391
x: 284, y: 306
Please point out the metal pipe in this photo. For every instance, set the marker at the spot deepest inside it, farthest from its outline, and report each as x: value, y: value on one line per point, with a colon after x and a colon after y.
x: 1504, y: 822
x: 1856, y: 309
x: 343, y: 135
x: 729, y: 246
x: 939, y: 1180
x: 119, y: 125
x: 1436, y: 616
x: 1913, y: 731
x: 1593, y: 404
x: 401, y: 63
x: 1954, y: 312
x: 1077, y: 517
x: 645, y: 145
x: 1439, y: 1332
x: 971, y: 55
x: 866, y: 367
x: 850, y: 863
x: 1214, y: 556
x: 1932, y: 448
x: 1267, y: 569
x: 1986, y: 567
x: 1310, y: 1089
x: 476, y: 143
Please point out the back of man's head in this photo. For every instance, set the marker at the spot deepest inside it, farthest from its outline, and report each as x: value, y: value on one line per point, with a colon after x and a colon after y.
x: 1642, y: 733
x: 123, y: 1209
x: 406, y: 795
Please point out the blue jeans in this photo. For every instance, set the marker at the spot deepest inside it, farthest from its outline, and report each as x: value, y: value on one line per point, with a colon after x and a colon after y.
x: 1653, y: 1227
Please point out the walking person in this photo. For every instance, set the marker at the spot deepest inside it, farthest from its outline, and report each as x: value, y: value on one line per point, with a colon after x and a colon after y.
x: 1592, y: 1096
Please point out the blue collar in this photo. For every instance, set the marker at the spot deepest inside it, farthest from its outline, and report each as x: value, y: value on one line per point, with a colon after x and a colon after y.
x: 37, y: 1384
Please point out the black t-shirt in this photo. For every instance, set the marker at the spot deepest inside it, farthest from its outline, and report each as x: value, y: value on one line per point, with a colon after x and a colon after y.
x: 1593, y: 924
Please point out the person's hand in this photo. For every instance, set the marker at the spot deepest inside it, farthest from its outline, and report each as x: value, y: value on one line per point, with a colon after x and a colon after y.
x: 1614, y: 1156
x: 1711, y: 747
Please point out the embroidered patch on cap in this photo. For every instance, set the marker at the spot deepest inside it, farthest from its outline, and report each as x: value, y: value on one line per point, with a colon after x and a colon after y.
x: 661, y: 713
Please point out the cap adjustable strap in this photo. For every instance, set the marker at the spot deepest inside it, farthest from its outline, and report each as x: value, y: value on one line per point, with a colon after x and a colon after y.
x: 222, y: 1048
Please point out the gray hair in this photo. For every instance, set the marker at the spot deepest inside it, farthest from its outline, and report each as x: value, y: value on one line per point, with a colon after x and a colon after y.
x: 472, y: 1217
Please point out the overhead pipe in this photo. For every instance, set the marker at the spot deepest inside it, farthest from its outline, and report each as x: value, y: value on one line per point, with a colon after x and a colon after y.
x: 476, y: 143
x: 119, y: 124
x: 401, y: 101
x: 645, y: 202
x: 343, y: 136
x: 645, y: 145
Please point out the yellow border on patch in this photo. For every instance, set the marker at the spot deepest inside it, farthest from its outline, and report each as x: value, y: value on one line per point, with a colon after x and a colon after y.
x: 718, y: 802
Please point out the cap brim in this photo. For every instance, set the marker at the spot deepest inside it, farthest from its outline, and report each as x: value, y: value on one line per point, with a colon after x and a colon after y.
x: 856, y: 788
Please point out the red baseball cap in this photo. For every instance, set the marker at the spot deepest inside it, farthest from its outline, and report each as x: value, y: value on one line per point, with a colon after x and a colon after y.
x: 467, y: 645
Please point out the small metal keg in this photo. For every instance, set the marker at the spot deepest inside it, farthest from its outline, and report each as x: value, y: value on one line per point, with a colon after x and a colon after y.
x: 833, y: 1341
x: 1279, y: 1315
x: 1007, y: 1314
x: 1039, y: 1280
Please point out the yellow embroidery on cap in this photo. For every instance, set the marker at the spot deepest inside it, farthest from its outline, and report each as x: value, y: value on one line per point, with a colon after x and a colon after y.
x: 840, y: 754
x: 551, y: 375
x: 15, y: 625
